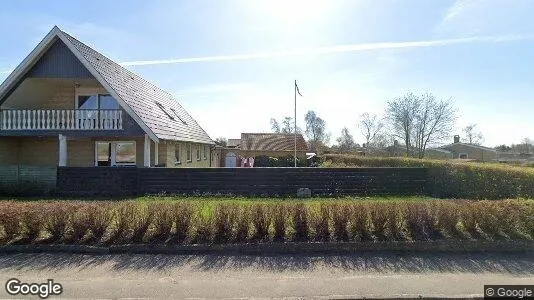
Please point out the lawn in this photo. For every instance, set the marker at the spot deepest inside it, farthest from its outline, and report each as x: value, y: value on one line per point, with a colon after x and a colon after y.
x: 198, y: 220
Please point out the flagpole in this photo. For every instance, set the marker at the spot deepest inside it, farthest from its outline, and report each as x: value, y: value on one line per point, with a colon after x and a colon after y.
x: 295, y: 92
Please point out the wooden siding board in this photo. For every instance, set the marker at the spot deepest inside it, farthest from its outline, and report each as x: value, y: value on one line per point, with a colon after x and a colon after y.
x: 40, y: 177
x: 59, y: 62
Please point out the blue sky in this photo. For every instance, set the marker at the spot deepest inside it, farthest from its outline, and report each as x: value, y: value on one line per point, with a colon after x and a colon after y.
x: 232, y: 63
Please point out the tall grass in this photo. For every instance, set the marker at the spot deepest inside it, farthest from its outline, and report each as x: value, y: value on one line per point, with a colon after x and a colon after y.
x: 204, y: 222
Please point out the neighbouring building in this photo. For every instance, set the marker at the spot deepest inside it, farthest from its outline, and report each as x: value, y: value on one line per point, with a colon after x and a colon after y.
x: 438, y: 153
x: 263, y: 144
x: 471, y: 152
x: 68, y: 105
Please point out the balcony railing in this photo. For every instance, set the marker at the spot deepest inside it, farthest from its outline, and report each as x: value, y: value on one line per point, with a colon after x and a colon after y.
x: 60, y: 119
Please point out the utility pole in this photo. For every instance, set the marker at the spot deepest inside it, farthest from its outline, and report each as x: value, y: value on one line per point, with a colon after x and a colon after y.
x: 295, y: 123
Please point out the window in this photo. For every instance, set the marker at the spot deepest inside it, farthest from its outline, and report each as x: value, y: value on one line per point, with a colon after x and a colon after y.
x: 125, y: 153
x: 115, y: 154
x: 97, y: 101
x: 165, y: 111
x: 189, y: 154
x: 177, y: 154
x: 198, y: 152
x: 178, y: 116
x: 205, y: 152
x: 463, y: 156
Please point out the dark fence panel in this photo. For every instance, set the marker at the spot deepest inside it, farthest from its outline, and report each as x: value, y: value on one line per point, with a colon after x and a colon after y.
x: 97, y: 181
x: 243, y: 181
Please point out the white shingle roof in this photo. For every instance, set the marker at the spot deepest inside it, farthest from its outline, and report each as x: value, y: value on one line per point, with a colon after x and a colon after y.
x: 135, y: 94
x: 142, y: 96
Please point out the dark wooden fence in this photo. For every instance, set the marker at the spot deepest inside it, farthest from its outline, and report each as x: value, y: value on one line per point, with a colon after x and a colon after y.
x: 241, y: 181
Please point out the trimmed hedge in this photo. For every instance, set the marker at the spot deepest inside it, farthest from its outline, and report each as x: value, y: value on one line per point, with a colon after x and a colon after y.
x: 197, y: 222
x: 273, y: 162
x: 448, y: 179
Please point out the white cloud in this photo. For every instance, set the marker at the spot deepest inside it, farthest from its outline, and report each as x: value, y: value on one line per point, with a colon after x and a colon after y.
x: 486, y: 16
x: 336, y: 49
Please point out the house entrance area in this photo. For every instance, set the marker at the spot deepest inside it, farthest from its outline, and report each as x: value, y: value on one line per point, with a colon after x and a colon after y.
x: 115, y: 153
x: 51, y: 151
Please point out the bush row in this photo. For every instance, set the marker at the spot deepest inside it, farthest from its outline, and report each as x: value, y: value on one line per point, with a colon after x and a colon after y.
x: 273, y: 162
x: 447, y: 179
x: 194, y: 222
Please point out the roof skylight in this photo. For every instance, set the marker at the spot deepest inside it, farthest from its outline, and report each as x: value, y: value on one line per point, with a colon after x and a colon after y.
x: 164, y: 110
x: 178, y: 116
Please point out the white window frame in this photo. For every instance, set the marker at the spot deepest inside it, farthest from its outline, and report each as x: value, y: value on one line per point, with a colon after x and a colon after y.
x: 198, y: 154
x: 460, y: 155
x: 205, y: 152
x: 114, y: 153
x: 189, y: 157
x: 178, y: 160
x: 89, y: 92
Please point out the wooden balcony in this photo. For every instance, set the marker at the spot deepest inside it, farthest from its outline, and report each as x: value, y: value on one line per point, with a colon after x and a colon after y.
x: 60, y: 119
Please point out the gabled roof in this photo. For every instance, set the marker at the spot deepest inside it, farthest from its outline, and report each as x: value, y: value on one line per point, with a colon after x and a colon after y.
x: 272, y: 142
x: 233, y: 143
x: 141, y: 99
x: 469, y: 145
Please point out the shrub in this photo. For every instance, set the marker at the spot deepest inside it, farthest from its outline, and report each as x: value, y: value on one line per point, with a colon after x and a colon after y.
x: 319, y: 219
x: 80, y: 222
x: 141, y: 219
x: 299, y: 217
x: 420, y: 221
x: 469, y: 219
x: 57, y: 220
x: 359, y: 222
x: 340, y: 218
x: 486, y: 218
x: 203, y: 226
x: 379, y: 219
x: 446, y: 179
x: 395, y: 222
x: 280, y: 213
x: 242, y: 224
x: 182, y: 214
x: 163, y: 220
x: 285, y: 161
x: 10, y: 220
x: 448, y: 217
x: 32, y: 221
x: 122, y: 220
x: 99, y: 219
x: 224, y: 219
x: 261, y: 220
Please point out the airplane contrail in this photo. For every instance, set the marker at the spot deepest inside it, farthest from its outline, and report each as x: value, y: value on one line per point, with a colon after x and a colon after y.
x: 335, y: 49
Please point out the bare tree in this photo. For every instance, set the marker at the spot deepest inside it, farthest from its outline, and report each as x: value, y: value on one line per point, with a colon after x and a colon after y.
x: 401, y: 113
x: 371, y: 126
x: 287, y: 126
x: 316, y: 131
x: 221, y: 141
x: 275, y: 126
x: 472, y: 136
x: 420, y: 120
x: 345, y: 142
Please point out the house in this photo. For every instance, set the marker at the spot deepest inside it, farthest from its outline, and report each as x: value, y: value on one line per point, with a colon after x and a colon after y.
x: 68, y: 105
x: 438, y: 153
x: 470, y: 152
x: 263, y: 144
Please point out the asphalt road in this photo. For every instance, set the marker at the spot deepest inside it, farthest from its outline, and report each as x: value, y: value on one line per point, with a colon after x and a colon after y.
x: 316, y: 277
